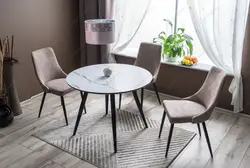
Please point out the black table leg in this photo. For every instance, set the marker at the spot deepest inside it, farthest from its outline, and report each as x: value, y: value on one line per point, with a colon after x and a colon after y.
x: 84, y: 98
x: 140, y: 108
x: 84, y: 107
x: 113, y: 114
x: 142, y: 96
x: 107, y: 103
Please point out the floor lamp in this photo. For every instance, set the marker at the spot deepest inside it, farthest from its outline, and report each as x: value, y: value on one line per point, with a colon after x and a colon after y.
x: 176, y: 16
x: 100, y: 32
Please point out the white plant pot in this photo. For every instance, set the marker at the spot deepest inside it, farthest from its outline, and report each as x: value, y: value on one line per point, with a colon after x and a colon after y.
x: 171, y: 59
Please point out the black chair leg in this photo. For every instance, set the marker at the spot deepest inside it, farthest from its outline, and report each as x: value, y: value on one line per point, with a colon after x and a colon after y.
x: 162, y: 123
x: 199, y: 128
x: 84, y: 107
x: 207, y: 138
x: 157, y: 94
x: 64, y: 110
x: 120, y: 100
x: 142, y: 95
x: 113, y: 117
x: 107, y: 103
x: 81, y: 94
x: 41, y: 106
x: 169, y: 138
x: 140, y: 108
x: 79, y: 115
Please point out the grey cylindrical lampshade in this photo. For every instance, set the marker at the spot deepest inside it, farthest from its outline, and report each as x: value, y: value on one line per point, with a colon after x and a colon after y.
x: 100, y: 31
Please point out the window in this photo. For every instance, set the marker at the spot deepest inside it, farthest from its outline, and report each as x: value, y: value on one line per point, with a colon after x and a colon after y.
x: 153, y: 24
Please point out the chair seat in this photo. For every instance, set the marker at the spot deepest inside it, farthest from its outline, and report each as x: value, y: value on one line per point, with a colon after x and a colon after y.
x: 59, y: 86
x: 182, y: 111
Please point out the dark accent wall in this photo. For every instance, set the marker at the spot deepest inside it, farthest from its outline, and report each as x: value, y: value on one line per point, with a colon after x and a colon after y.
x: 182, y: 82
x: 245, y: 69
x: 37, y: 24
x: 91, y: 54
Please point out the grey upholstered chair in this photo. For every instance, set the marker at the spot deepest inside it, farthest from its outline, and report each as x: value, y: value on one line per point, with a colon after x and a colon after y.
x: 50, y: 76
x: 149, y: 58
x: 197, y: 108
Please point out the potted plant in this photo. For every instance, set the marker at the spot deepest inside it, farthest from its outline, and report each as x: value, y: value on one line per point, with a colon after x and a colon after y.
x: 175, y: 45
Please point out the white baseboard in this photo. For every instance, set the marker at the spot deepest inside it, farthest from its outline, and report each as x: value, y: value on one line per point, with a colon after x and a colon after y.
x: 37, y: 95
x: 27, y: 100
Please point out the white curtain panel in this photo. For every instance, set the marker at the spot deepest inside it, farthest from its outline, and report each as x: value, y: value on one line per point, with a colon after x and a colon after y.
x: 220, y: 26
x: 129, y: 15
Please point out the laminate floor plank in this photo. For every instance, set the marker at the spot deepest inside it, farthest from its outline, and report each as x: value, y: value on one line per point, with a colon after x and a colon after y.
x: 82, y: 164
x: 66, y: 160
x: 19, y: 123
x: 32, y: 143
x: 37, y: 158
x: 248, y: 152
x: 229, y: 134
x: 50, y: 164
x: 12, y: 155
x: 196, y: 154
x: 245, y: 163
x: 18, y: 136
x: 233, y: 148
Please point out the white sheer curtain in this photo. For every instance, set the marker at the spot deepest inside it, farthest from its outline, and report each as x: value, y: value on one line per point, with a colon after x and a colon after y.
x: 220, y: 26
x: 129, y: 15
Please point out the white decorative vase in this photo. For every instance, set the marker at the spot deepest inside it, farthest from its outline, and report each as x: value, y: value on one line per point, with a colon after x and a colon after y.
x: 171, y: 59
x: 107, y: 72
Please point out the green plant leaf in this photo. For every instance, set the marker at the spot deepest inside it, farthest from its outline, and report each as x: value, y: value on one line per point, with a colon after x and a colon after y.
x: 181, y: 29
x: 171, y: 53
x: 170, y: 39
x: 180, y: 41
x: 190, y: 46
x: 162, y: 34
x: 175, y: 52
x: 169, y: 22
x: 165, y: 48
x: 162, y: 38
x: 157, y: 40
x: 187, y: 37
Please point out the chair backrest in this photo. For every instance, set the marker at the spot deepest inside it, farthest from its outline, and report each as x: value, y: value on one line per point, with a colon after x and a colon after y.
x: 210, y: 90
x: 46, y: 66
x: 149, y: 57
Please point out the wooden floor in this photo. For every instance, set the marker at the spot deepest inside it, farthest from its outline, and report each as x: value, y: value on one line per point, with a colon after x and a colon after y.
x: 229, y: 135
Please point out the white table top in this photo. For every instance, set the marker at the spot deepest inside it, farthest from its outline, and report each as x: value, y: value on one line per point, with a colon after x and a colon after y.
x: 124, y: 78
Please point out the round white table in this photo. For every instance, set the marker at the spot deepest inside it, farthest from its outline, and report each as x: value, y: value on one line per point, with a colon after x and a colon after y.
x: 124, y: 78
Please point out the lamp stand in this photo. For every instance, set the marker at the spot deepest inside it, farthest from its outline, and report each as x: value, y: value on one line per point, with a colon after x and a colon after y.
x: 176, y: 17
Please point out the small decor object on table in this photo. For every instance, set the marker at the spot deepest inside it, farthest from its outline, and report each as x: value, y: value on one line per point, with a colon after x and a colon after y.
x: 6, y: 115
x: 7, y: 48
x: 107, y: 72
x: 175, y: 45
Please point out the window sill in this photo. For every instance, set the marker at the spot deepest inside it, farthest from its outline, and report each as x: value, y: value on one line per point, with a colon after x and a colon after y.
x: 198, y: 66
